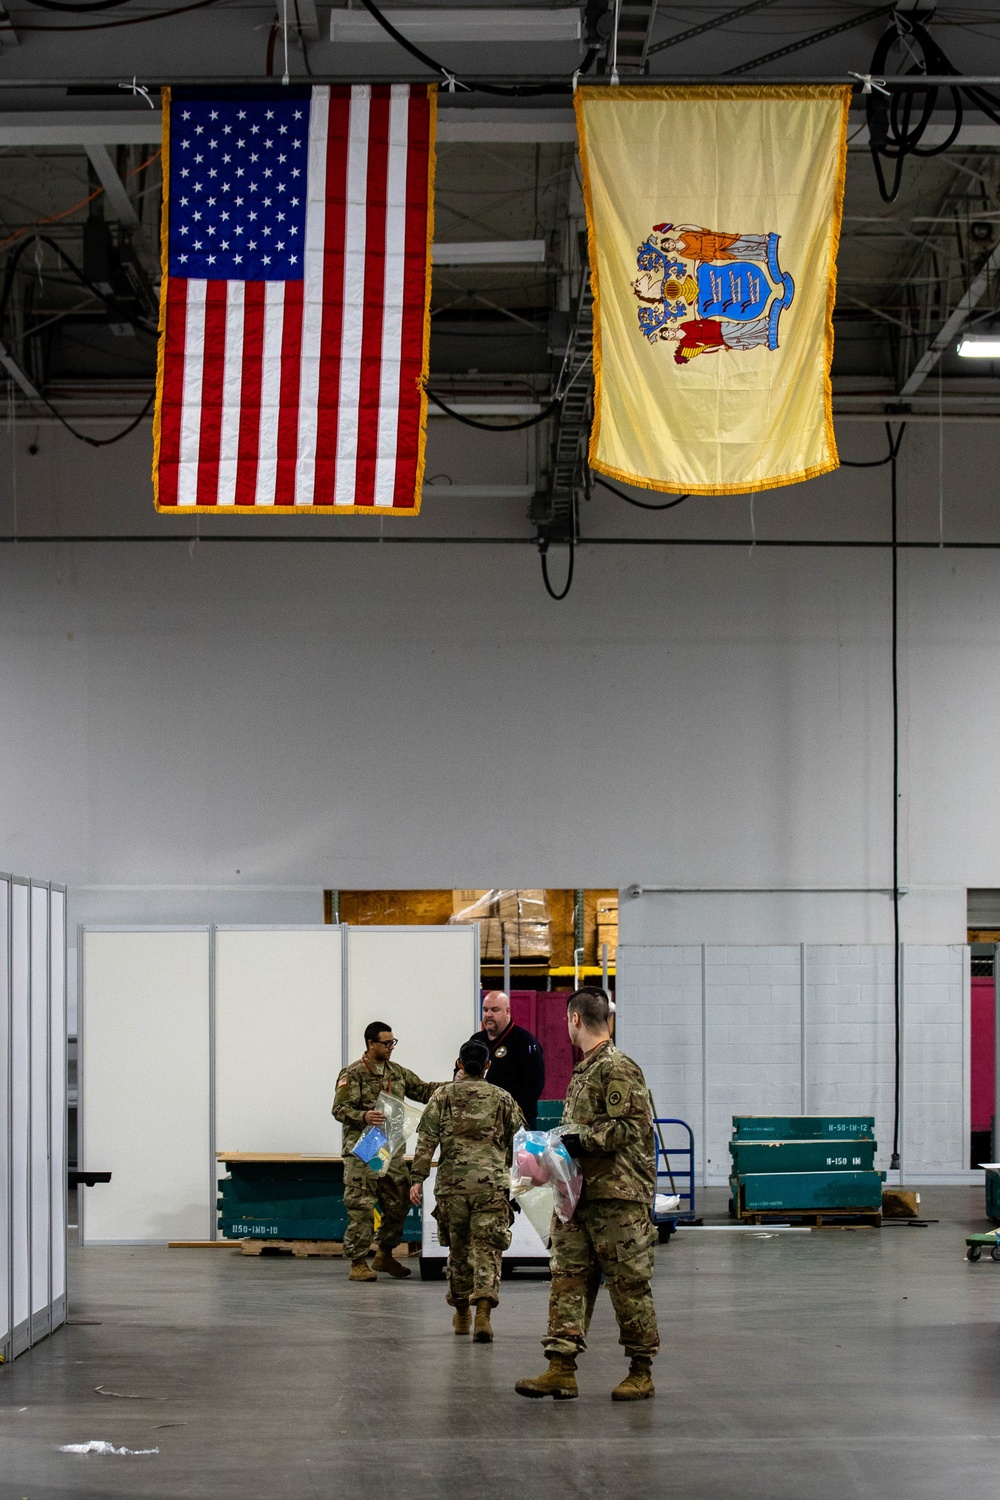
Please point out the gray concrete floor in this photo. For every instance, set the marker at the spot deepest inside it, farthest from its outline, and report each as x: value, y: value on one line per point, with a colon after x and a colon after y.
x: 824, y: 1366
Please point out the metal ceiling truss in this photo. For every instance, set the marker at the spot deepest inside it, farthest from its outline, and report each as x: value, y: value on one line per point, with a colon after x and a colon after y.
x: 555, y: 508
x: 962, y: 252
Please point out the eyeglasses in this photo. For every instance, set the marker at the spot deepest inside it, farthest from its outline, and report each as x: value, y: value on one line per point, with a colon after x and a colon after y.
x: 388, y: 1045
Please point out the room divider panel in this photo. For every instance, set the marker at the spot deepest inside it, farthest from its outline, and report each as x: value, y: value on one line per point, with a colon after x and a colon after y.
x: 193, y: 1039
x: 33, y: 1125
x: 278, y: 1038
x: 145, y: 1085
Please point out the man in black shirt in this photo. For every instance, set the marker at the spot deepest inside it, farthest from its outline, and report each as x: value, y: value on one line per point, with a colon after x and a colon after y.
x: 516, y: 1061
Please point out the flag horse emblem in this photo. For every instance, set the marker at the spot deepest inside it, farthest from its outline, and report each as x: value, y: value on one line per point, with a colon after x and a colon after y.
x: 703, y: 291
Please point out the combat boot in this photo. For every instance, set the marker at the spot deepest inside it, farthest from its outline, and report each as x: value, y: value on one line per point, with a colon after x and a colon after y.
x: 462, y: 1319
x: 558, y: 1381
x: 361, y: 1270
x: 387, y: 1262
x: 638, y: 1383
x: 483, y: 1332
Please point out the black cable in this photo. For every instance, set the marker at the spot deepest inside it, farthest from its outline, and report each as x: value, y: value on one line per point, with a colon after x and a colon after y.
x: 872, y: 463
x: 545, y: 573
x: 93, y: 442
x: 144, y: 20
x: 77, y: 9
x: 488, y: 426
x: 272, y: 38
x: 510, y: 91
x: 893, y: 135
x: 630, y: 500
x: 111, y: 303
x: 302, y: 40
x: 897, y: 1070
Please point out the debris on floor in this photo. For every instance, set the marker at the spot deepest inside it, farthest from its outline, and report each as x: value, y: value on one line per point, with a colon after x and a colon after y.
x: 99, y: 1445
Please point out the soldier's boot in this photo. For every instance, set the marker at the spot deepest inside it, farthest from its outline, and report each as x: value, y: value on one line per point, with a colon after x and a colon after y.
x: 361, y: 1270
x: 483, y: 1332
x: 386, y: 1261
x: 558, y: 1381
x: 462, y: 1318
x: 638, y: 1383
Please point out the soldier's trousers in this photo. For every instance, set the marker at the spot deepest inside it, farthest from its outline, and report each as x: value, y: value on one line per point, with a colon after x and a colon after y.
x: 362, y: 1191
x: 613, y: 1238
x: 476, y: 1230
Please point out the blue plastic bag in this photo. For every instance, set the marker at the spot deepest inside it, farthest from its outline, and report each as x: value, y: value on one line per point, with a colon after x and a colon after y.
x: 373, y: 1149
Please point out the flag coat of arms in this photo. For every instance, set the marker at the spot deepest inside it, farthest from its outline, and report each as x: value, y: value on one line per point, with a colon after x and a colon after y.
x: 713, y: 217
x: 295, y: 299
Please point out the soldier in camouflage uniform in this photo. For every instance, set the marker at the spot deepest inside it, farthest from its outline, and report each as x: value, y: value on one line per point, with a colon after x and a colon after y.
x: 608, y: 1128
x: 474, y: 1123
x: 355, y: 1106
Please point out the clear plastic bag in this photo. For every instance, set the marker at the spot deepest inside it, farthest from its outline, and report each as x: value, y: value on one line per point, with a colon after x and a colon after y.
x: 539, y: 1158
x: 565, y: 1176
x: 374, y: 1150
x: 537, y: 1206
x: 401, y: 1120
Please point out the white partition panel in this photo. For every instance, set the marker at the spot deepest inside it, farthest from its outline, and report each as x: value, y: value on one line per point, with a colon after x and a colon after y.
x: 145, y: 1085
x: 5, y: 1205
x: 57, y: 1099
x: 41, y: 1191
x: 20, y: 1115
x: 278, y: 1038
x: 423, y: 982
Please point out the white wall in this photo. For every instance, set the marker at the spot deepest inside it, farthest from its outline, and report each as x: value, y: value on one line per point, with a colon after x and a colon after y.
x: 804, y: 1029
x: 218, y: 736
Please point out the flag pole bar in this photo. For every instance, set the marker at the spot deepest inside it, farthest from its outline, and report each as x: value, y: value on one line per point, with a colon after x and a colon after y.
x: 110, y: 87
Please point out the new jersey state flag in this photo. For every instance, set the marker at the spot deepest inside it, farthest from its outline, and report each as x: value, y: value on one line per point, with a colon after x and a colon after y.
x: 713, y: 216
x: 294, y: 306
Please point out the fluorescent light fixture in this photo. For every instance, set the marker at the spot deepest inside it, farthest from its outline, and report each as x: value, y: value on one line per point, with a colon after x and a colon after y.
x: 489, y: 253
x: 445, y: 25
x: 979, y: 346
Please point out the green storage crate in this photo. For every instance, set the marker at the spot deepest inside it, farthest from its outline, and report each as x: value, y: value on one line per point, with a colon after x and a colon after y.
x: 290, y: 1200
x: 804, y: 1127
x: 802, y: 1156
x: 808, y: 1192
x: 993, y: 1194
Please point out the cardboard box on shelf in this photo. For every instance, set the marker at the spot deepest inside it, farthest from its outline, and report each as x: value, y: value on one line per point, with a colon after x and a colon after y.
x: 528, y: 939
x: 472, y: 902
x: 524, y: 906
x: 607, y: 933
x: 490, y: 939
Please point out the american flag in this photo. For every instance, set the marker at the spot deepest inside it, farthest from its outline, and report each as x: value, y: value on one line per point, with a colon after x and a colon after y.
x: 294, y: 305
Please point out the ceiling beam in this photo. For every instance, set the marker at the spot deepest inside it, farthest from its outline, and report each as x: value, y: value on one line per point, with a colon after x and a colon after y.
x: 953, y: 326
x: 16, y: 374
x: 8, y: 36
x: 489, y: 253
x: 132, y: 127
x: 453, y: 24
x: 115, y: 195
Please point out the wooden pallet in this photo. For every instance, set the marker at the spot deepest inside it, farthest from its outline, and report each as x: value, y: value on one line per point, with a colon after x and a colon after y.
x: 301, y: 1249
x: 829, y: 1218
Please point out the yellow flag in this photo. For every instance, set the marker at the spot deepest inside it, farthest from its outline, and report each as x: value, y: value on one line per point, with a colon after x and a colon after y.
x: 713, y: 217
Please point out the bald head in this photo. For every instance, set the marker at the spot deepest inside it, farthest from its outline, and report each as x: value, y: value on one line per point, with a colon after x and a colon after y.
x: 496, y: 1013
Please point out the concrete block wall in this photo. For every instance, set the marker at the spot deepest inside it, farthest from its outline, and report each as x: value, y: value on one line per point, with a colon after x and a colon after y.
x: 803, y: 1029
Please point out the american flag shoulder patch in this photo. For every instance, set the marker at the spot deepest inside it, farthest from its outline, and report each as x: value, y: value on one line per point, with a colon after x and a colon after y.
x: 294, y: 304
